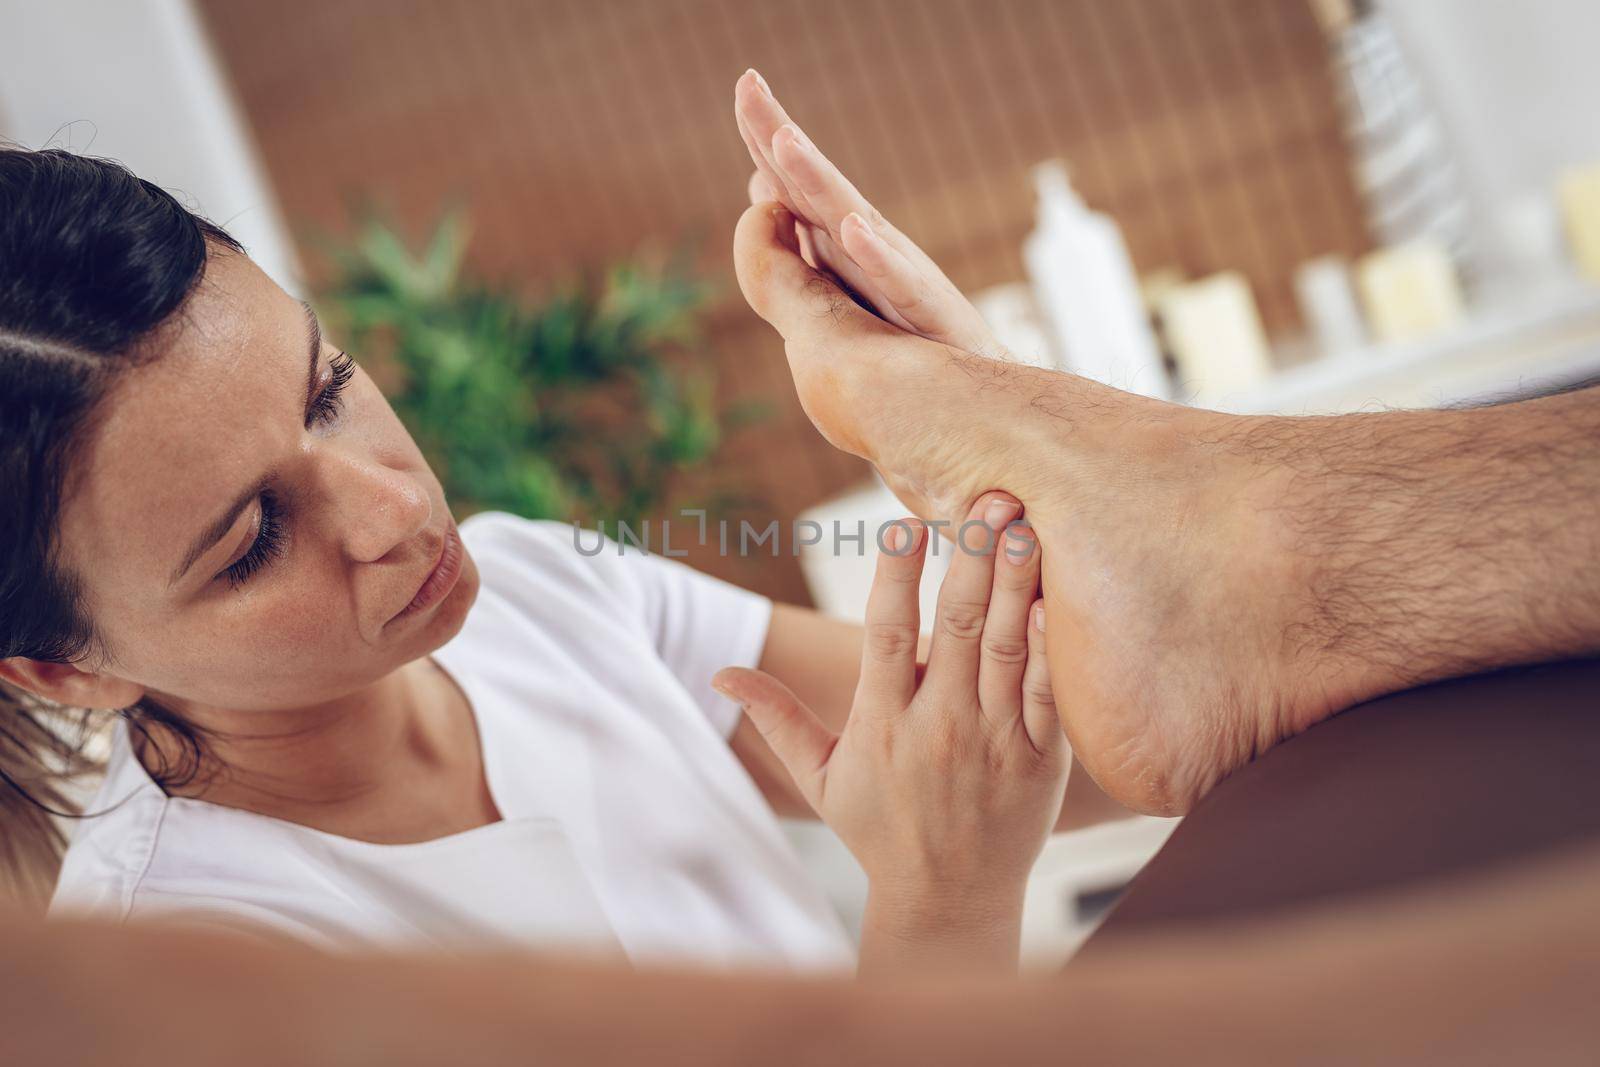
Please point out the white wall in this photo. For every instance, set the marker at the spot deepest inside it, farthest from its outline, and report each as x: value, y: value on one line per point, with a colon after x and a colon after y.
x: 1517, y: 84
x: 135, y: 80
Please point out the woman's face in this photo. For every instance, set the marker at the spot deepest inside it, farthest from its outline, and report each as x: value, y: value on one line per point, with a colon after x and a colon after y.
x: 244, y: 542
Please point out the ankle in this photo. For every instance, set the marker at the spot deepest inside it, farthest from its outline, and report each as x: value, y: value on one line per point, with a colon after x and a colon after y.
x: 1237, y: 507
x: 1284, y: 497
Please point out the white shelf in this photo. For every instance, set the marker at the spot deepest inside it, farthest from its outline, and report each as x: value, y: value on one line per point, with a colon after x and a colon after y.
x: 1513, y: 348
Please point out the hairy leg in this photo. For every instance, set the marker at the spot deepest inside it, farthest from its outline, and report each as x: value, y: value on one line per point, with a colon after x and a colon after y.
x: 1432, y: 544
x: 1215, y: 583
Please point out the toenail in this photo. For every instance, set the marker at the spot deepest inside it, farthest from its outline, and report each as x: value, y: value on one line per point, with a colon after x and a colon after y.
x: 999, y: 512
x: 800, y: 140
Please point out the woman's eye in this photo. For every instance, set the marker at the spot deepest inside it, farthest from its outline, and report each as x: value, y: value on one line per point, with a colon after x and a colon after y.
x: 269, y: 541
x: 327, y: 404
x: 267, y: 546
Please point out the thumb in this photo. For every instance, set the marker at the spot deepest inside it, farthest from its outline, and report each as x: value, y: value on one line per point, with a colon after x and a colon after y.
x: 776, y: 281
x: 796, y: 736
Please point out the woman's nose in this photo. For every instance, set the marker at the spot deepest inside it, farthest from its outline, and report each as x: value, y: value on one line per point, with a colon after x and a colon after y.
x: 375, y: 507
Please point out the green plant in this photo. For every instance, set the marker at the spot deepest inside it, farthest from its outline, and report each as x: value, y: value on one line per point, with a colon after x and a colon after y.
x: 582, y: 405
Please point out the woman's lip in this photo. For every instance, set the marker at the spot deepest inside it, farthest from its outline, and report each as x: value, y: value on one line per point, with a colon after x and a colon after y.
x: 441, y: 579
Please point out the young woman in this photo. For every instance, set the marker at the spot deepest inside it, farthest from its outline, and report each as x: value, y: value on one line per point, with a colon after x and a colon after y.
x: 343, y: 718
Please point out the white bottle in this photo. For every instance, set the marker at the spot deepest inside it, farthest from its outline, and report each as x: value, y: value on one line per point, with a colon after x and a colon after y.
x: 1086, y: 285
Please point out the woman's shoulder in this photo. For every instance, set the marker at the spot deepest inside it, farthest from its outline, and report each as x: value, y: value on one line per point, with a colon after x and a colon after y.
x: 111, y: 844
x: 499, y: 539
x: 537, y: 558
x: 134, y: 843
x: 507, y: 530
x: 160, y: 855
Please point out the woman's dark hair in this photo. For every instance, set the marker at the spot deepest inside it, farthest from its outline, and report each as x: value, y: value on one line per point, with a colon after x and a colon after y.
x: 93, y: 262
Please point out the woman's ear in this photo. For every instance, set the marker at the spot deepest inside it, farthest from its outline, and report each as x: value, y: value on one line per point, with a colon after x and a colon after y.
x: 63, y: 683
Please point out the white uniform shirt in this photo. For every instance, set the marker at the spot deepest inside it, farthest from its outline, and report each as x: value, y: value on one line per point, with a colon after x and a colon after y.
x: 628, y: 822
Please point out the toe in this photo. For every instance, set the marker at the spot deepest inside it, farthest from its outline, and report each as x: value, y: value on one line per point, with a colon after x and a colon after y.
x: 778, y: 283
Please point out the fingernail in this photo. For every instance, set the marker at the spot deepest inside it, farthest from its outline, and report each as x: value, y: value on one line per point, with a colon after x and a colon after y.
x: 896, y: 537
x: 1038, y: 616
x: 761, y: 82
x: 999, y: 512
x: 1019, y: 545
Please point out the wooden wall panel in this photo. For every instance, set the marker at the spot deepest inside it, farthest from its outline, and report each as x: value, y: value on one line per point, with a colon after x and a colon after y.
x: 580, y: 129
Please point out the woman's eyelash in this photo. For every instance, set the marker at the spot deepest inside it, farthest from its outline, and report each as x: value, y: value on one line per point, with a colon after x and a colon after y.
x: 265, y: 548
x: 342, y: 368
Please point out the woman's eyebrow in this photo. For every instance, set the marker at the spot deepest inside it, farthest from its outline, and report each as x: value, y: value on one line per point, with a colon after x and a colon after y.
x: 224, y: 522
x: 314, y: 332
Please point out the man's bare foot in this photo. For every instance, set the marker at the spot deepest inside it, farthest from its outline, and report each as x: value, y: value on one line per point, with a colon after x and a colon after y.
x: 1169, y: 590
x: 1216, y: 583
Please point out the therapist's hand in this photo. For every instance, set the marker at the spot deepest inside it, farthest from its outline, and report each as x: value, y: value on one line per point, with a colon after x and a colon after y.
x: 945, y: 789
x: 840, y: 231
